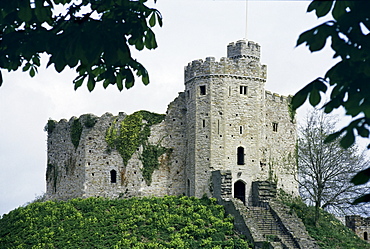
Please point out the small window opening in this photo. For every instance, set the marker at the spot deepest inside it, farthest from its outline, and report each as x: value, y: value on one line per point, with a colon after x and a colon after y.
x: 365, y: 236
x: 204, y: 123
x: 274, y: 127
x: 240, y: 156
x: 202, y: 90
x: 188, y: 188
x: 241, y: 129
x: 113, y: 176
x: 243, y: 90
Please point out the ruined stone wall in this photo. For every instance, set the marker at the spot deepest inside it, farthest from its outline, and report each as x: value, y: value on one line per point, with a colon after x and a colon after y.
x: 280, y: 143
x: 360, y: 225
x: 86, y: 170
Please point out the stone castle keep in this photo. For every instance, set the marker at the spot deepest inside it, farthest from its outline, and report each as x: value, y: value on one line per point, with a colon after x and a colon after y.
x: 224, y: 135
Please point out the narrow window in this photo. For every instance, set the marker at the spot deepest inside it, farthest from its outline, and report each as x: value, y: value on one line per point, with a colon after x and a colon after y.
x: 274, y: 127
x: 202, y: 90
x: 188, y: 190
x: 204, y: 123
x: 243, y: 90
x: 113, y: 176
x: 240, y: 157
x: 365, y: 236
x: 241, y: 129
x: 218, y: 126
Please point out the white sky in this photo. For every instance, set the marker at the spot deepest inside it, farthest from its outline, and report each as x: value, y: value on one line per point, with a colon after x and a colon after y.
x: 193, y: 29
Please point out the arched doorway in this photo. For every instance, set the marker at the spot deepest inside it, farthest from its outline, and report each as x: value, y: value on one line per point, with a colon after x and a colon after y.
x: 239, y: 190
x: 365, y: 236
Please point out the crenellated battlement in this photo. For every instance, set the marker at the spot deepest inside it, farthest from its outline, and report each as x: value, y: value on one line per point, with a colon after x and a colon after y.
x: 277, y: 97
x: 244, y: 67
x: 244, y: 49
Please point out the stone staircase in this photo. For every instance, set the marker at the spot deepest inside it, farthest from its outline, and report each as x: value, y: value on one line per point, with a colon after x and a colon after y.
x: 271, y: 227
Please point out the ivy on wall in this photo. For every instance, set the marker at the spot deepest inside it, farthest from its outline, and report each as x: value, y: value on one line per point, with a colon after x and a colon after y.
x: 132, y: 133
x: 76, y: 131
x: 50, y: 126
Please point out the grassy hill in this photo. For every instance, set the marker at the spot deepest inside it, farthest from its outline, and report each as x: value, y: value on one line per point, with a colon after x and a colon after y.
x: 169, y: 222
x: 330, y: 233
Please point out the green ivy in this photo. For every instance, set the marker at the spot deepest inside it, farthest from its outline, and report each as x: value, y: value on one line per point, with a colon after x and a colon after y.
x: 133, y: 133
x: 90, y: 121
x: 149, y: 158
x: 76, y: 131
x: 50, y: 126
x: 292, y: 112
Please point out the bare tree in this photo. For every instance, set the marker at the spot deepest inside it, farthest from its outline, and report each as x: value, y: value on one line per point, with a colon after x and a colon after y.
x: 324, y: 169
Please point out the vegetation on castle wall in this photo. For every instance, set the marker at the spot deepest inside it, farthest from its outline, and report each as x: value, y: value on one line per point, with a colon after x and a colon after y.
x: 169, y: 222
x: 76, y: 131
x: 292, y: 112
x: 149, y: 157
x: 90, y: 121
x: 52, y: 175
x: 133, y: 133
x: 50, y: 126
x: 329, y: 232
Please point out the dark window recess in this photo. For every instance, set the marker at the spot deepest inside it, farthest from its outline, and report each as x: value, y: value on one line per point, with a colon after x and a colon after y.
x: 239, y: 191
x: 275, y: 127
x: 202, y: 90
x: 365, y: 236
x: 204, y: 123
x: 241, y: 129
x: 240, y: 156
x: 243, y: 90
x: 113, y: 176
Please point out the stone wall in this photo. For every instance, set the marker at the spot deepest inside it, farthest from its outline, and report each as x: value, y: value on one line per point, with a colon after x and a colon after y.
x: 360, y: 225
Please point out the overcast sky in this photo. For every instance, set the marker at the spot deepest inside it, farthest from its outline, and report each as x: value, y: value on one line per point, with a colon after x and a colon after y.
x: 193, y: 29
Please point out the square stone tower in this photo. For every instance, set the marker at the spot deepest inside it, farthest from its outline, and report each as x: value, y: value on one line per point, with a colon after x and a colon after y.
x: 234, y: 124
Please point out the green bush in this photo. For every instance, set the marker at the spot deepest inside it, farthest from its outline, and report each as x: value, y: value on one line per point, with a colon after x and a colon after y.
x: 169, y: 222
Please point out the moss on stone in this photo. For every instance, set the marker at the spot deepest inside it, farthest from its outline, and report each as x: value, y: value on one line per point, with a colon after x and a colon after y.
x: 50, y: 126
x: 132, y: 133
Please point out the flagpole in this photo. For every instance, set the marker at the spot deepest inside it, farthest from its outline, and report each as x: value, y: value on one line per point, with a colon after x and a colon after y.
x: 246, y: 19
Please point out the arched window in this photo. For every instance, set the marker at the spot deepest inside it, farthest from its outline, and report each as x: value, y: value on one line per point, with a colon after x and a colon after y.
x: 113, y: 176
x: 240, y: 157
x: 239, y: 191
x: 365, y: 236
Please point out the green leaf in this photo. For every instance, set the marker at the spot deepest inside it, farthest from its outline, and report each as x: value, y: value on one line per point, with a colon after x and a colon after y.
x: 322, y: 7
x: 333, y: 136
x: 152, y: 19
x: 78, y: 81
x: 25, y: 13
x: 159, y: 17
x: 145, y: 79
x: 364, y: 198
x: 91, y: 83
x: 339, y: 9
x: 26, y: 67
x: 32, y: 72
x: 348, y: 139
x: 361, y: 177
x: 314, y: 97
x: 129, y: 79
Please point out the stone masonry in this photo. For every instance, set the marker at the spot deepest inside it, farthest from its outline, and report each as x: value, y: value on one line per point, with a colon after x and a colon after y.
x: 224, y: 120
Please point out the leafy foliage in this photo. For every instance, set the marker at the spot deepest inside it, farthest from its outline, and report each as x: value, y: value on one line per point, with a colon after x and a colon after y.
x: 132, y: 133
x: 169, y: 222
x: 76, y: 131
x: 93, y: 36
x: 347, y: 82
x: 324, y: 168
x: 329, y: 232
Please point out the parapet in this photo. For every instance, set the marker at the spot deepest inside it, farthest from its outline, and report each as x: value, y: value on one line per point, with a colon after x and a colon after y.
x: 243, y: 48
x: 242, y: 67
x: 275, y: 97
